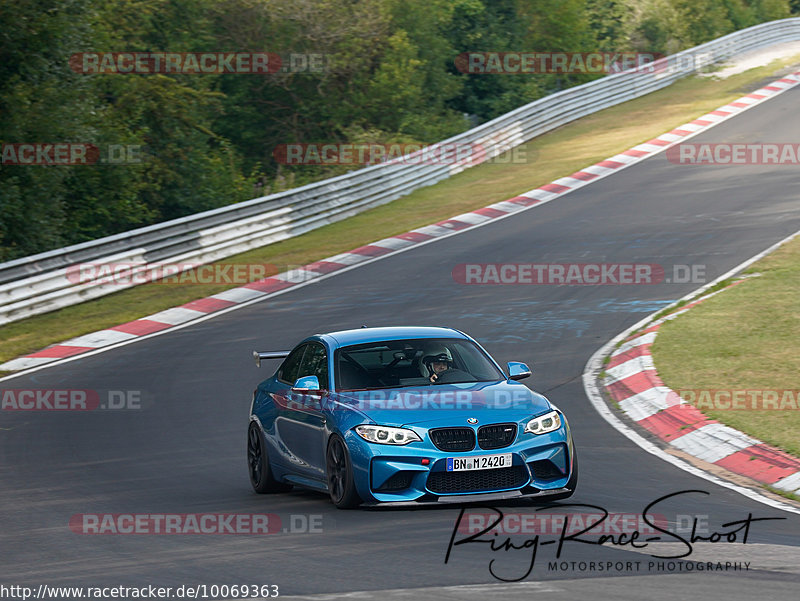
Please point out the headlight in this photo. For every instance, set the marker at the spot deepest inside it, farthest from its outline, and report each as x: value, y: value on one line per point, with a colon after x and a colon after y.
x: 387, y: 435
x: 543, y: 424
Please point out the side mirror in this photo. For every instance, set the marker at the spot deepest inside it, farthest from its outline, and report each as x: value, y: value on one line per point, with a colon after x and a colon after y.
x: 306, y: 384
x: 518, y: 371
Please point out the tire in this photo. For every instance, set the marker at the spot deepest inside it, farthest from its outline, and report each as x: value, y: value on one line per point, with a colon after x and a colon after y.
x: 258, y: 467
x: 339, y: 471
x: 571, y: 484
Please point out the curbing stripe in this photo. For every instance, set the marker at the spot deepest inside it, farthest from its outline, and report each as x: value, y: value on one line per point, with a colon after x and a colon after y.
x: 790, y: 483
x: 395, y: 243
x: 142, y: 327
x: 295, y: 276
x: 60, y: 351
x: 584, y: 175
x: 234, y: 296
x: 634, y: 384
x: 268, y: 286
x: 345, y: 259
x: 208, y: 304
x: 369, y: 250
x: 101, y: 338
x: 493, y: 211
x: 323, y: 267
x: 633, y: 353
x: 26, y: 362
x: 649, y: 402
x: 472, y: 218
x: 627, y: 369
x: 175, y: 316
x: 760, y: 461
x: 537, y: 194
x: 434, y: 231
x: 609, y: 164
x: 713, y: 442
x: 504, y: 206
x: 415, y: 236
x: 644, y: 339
x: 674, y: 421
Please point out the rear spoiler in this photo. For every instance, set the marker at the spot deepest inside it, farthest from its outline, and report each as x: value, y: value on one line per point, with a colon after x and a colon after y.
x: 269, y: 355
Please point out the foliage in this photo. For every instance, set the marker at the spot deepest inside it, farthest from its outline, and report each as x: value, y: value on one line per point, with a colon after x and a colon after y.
x: 207, y: 140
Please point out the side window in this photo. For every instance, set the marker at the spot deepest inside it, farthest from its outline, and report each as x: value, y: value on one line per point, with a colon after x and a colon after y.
x: 291, y: 366
x: 315, y: 363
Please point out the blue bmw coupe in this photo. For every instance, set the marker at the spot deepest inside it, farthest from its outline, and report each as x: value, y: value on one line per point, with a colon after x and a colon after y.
x: 405, y: 415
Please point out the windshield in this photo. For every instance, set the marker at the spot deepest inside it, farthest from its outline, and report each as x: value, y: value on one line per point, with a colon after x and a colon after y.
x: 415, y: 362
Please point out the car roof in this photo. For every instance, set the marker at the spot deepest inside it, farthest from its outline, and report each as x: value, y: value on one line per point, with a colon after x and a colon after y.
x: 361, y: 335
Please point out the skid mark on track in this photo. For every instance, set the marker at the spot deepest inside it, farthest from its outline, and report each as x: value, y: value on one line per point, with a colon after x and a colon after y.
x: 535, y: 321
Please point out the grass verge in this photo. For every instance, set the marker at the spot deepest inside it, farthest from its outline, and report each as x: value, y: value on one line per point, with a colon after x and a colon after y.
x: 744, y: 339
x: 550, y: 156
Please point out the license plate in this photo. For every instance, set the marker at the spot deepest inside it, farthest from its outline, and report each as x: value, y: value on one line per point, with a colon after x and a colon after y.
x: 481, y: 462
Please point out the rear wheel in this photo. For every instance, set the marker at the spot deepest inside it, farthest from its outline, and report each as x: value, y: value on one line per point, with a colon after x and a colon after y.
x: 341, y: 486
x: 258, y: 464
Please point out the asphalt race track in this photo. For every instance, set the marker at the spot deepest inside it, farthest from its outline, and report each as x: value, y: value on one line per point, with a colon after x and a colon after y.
x: 184, y: 450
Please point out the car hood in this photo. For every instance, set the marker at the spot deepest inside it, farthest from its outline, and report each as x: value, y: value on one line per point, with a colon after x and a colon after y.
x: 447, y: 404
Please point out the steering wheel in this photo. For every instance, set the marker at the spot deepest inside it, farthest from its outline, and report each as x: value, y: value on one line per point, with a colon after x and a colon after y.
x: 453, y: 375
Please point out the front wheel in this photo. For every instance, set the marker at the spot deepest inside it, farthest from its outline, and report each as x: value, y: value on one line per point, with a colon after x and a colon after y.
x: 258, y: 464
x: 341, y: 486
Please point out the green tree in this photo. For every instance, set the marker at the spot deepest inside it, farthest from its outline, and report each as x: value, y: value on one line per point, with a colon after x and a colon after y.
x: 610, y: 22
x: 186, y: 166
x: 770, y: 10
x: 705, y: 20
x: 41, y: 101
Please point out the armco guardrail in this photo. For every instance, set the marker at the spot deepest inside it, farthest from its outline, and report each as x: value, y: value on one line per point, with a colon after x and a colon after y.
x: 40, y: 283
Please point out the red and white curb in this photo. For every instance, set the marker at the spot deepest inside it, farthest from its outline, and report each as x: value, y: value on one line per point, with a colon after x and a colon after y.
x: 632, y: 381
x: 262, y: 289
x: 714, y: 443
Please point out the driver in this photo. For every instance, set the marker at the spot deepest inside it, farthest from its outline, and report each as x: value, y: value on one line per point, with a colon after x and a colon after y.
x: 436, y: 360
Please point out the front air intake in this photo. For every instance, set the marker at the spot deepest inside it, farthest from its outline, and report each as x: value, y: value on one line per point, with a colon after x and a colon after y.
x: 453, y: 439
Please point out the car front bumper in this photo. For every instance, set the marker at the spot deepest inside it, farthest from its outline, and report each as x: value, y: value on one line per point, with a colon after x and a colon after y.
x: 416, y: 473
